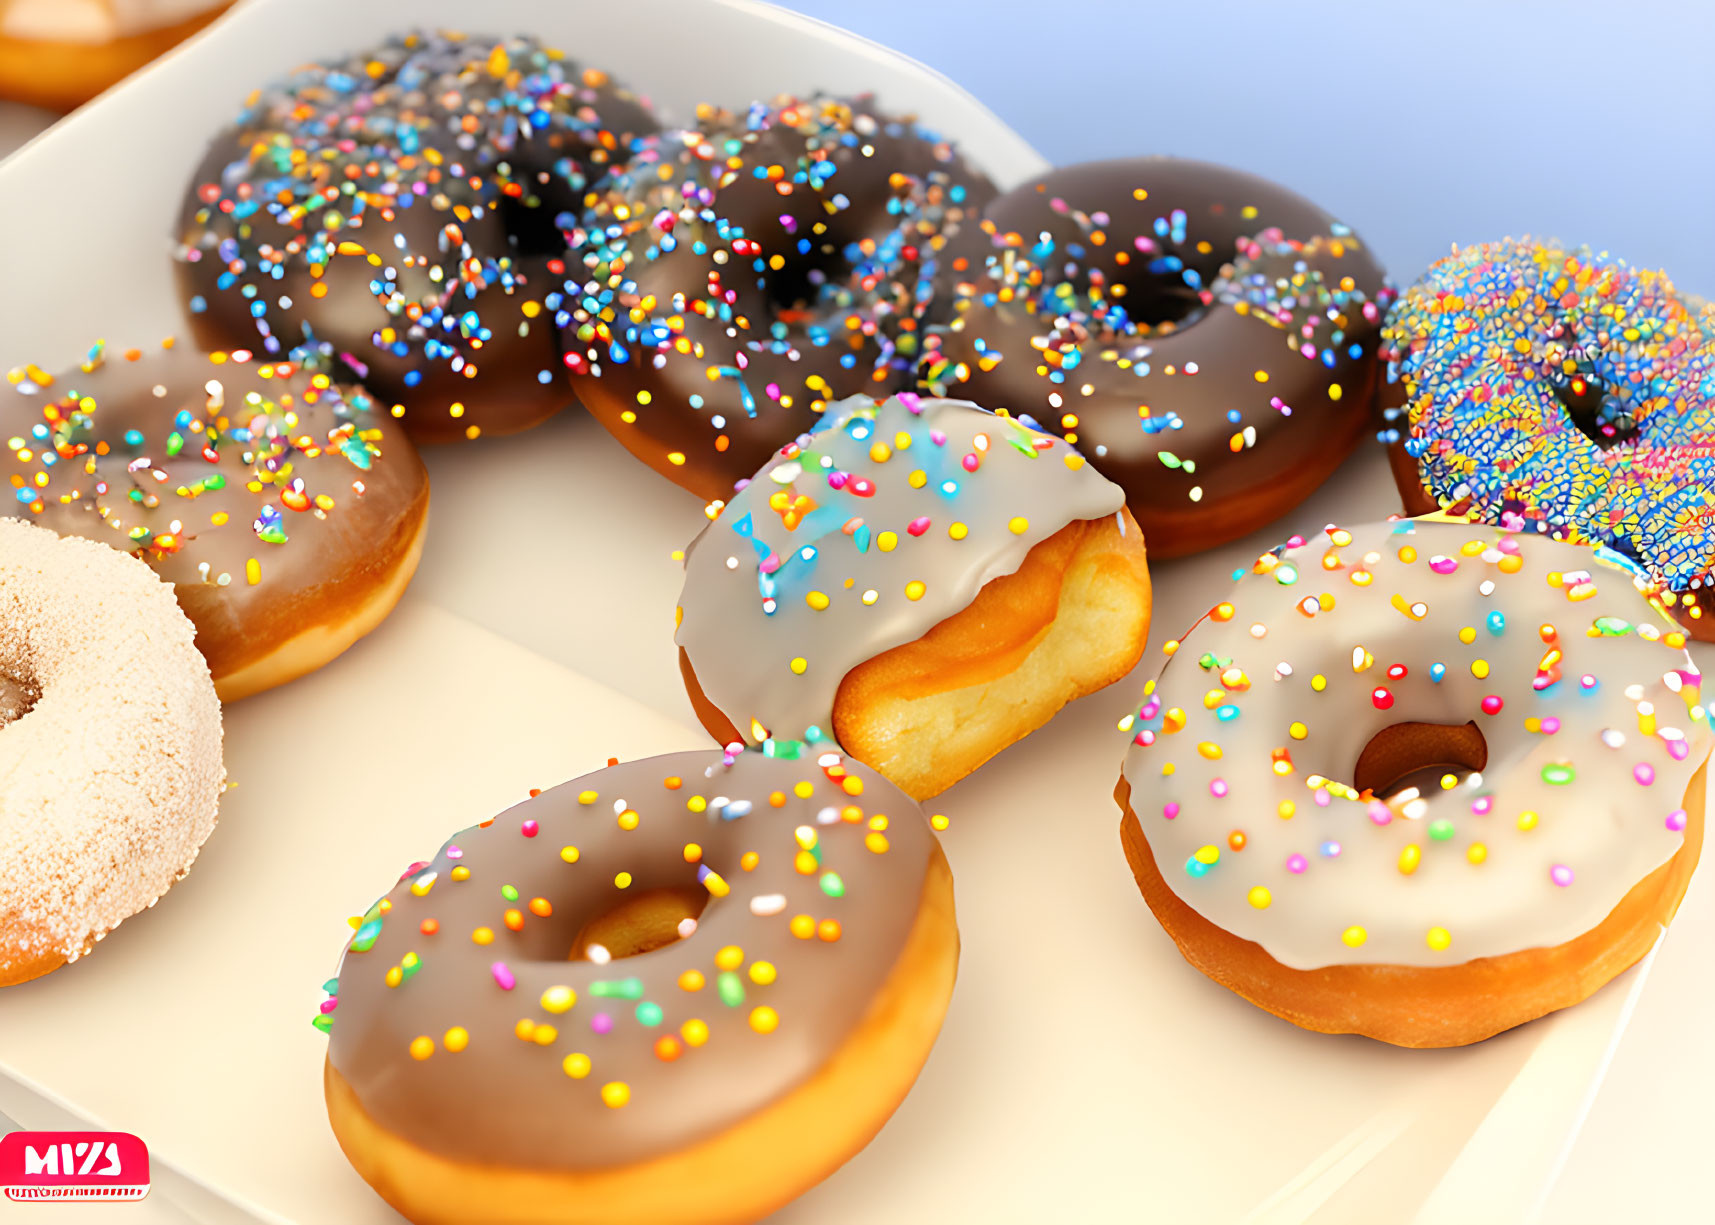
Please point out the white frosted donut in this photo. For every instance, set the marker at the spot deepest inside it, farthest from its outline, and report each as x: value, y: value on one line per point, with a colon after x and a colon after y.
x: 1248, y: 795
x: 110, y: 745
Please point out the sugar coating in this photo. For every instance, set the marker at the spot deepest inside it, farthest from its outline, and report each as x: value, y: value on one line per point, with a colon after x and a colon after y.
x: 109, y: 783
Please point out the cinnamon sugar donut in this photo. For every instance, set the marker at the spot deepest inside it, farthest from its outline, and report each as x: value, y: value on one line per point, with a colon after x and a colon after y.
x: 110, y: 739
x: 1422, y: 781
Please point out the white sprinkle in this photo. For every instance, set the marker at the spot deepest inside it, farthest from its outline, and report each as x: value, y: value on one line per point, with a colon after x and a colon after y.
x: 598, y: 954
x: 686, y: 928
x: 766, y: 904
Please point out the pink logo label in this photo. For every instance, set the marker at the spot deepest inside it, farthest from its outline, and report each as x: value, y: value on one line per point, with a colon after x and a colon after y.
x: 59, y: 1165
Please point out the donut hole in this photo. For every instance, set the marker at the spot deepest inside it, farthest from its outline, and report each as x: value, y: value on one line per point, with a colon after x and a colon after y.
x: 642, y: 923
x: 19, y: 693
x: 1597, y: 416
x: 1420, y: 756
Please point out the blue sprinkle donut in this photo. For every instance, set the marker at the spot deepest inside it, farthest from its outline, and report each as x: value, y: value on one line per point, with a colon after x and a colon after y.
x: 1537, y: 386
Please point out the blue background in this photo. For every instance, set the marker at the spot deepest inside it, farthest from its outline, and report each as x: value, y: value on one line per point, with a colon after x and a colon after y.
x: 1421, y: 123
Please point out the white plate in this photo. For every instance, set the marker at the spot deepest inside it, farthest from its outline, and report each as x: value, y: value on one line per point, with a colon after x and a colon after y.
x: 1085, y: 1073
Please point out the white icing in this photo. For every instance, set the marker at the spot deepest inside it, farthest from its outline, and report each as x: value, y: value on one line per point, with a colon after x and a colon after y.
x: 742, y: 654
x: 1605, y: 826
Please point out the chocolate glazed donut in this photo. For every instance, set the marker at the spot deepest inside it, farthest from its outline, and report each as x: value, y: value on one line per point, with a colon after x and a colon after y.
x: 1206, y: 337
x: 400, y: 210
x: 744, y: 275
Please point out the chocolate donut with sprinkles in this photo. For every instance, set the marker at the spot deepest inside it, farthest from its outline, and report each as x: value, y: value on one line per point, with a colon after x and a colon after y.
x: 399, y: 210
x: 1556, y: 389
x: 1206, y: 337
x: 921, y: 582
x: 741, y: 276
x: 681, y: 990
x: 1420, y: 780
x: 285, y: 509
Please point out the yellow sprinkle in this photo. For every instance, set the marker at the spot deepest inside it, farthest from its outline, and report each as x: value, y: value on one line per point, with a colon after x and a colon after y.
x: 483, y: 935
x: 1334, y: 392
x: 1260, y: 897
x: 253, y: 571
x: 1210, y: 750
x: 716, y: 884
x: 1409, y: 858
x: 914, y: 589
x: 616, y: 1093
x: 1527, y: 820
x: 1439, y: 938
x: 879, y: 452
x: 1467, y: 635
x: 1018, y: 525
x: 729, y: 958
x: 1318, y: 682
x: 629, y: 819
x: 887, y: 541
x: 558, y: 999
x: 800, y: 665
x: 763, y: 973
x: 1286, y: 808
x: 576, y: 1065
x: 918, y: 479
x: 691, y: 980
x: 1354, y: 937
x: 694, y: 1032
x: 764, y: 1020
x: 622, y: 881
x: 1479, y: 668
x: 1298, y: 731
x: 456, y: 1039
x: 816, y: 600
x: 422, y: 1047
x: 569, y: 854
x: 1477, y: 852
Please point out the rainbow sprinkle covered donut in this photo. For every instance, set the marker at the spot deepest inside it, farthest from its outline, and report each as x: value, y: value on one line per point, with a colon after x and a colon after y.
x: 1565, y: 392
x: 1419, y: 780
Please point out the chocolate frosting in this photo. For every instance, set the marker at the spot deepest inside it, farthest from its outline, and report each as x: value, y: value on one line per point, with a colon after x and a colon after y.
x: 678, y: 1027
x: 267, y: 496
x: 399, y: 210
x: 1200, y: 333
x: 742, y: 275
x: 864, y: 534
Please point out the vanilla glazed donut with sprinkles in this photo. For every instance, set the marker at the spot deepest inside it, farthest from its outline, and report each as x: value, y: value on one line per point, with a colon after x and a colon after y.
x: 1419, y: 780
x: 1208, y: 338
x: 1557, y: 389
x: 740, y: 276
x: 399, y: 212
x: 917, y: 581
x: 679, y: 991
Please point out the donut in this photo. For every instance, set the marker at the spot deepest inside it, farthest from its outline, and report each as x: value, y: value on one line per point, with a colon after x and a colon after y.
x: 739, y: 277
x: 287, y: 512
x: 109, y: 746
x: 919, y: 582
x: 58, y: 54
x: 399, y: 210
x: 1422, y: 781
x: 1565, y: 392
x: 1206, y: 337
x: 680, y: 990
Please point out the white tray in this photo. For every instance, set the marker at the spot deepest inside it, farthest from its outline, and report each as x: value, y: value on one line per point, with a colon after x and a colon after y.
x: 1085, y: 1073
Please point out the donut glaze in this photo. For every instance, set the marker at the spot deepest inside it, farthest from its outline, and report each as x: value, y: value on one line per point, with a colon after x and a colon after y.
x: 399, y: 209
x: 741, y: 276
x: 1206, y: 337
x: 1243, y: 766
x: 883, y: 522
x: 1566, y: 392
x: 110, y: 746
x: 462, y: 1027
x: 273, y: 500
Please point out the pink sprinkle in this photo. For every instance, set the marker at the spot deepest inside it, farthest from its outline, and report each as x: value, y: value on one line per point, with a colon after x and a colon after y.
x: 772, y: 391
x: 503, y: 976
x: 769, y: 564
x: 1218, y: 788
x: 1560, y: 874
x: 836, y: 480
x: 1296, y: 864
x: 1492, y: 705
x: 601, y: 1023
x: 1323, y: 799
x: 330, y: 1005
x: 1382, y: 699
x: 453, y: 852
x: 530, y: 828
x: 1676, y: 820
x: 1145, y: 738
x: 1644, y: 773
x: 1678, y: 750
x: 918, y: 526
x: 1170, y: 810
x: 1379, y: 813
x: 938, y: 437
x: 1550, y: 725
x: 1443, y: 565
x: 1151, y: 708
x: 970, y: 463
x: 1482, y: 806
x: 1587, y: 681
